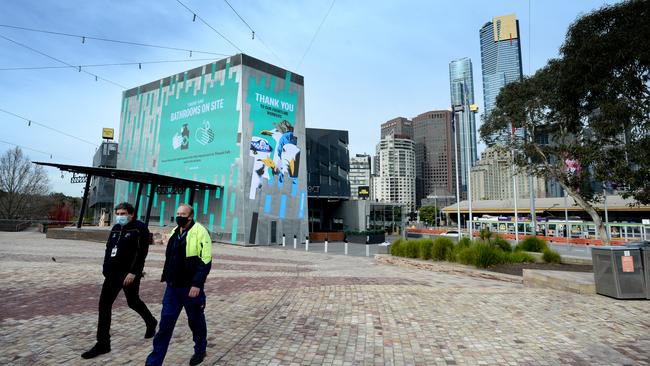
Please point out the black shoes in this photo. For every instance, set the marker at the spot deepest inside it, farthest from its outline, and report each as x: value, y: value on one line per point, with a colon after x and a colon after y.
x: 98, y: 349
x: 197, y: 359
x: 151, y: 329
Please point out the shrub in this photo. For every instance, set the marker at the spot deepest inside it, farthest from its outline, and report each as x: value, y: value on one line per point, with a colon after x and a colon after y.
x: 411, y: 249
x: 464, y: 242
x: 397, y: 247
x: 532, y: 244
x: 520, y: 257
x: 502, y: 244
x: 487, y: 255
x: 441, y: 246
x: 486, y: 235
x: 424, y: 248
x: 551, y: 256
x: 466, y: 255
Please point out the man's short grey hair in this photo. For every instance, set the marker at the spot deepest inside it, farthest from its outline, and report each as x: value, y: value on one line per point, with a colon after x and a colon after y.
x: 188, y: 206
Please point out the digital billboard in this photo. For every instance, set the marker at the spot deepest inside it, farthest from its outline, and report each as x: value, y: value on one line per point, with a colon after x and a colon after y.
x: 198, y: 129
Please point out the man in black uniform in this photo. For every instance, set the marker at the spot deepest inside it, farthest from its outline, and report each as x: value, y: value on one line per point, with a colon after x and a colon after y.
x: 126, y: 250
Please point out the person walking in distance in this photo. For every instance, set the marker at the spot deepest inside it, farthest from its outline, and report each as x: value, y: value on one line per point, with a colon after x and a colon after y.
x: 188, y: 260
x: 126, y: 251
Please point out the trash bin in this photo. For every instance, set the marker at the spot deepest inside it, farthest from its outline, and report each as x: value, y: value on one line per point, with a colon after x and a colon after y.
x: 645, y: 255
x: 619, y: 272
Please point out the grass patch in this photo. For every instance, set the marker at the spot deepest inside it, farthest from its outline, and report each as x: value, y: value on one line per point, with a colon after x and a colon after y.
x: 551, y: 256
x: 532, y: 244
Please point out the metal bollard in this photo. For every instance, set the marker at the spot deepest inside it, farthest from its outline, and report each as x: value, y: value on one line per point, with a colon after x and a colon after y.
x: 306, y: 244
x: 294, y: 242
x: 283, y: 241
x: 367, y: 250
x: 326, y: 245
x: 346, y: 246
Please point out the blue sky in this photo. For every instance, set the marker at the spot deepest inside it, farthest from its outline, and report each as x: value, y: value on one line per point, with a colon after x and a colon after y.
x: 371, y: 61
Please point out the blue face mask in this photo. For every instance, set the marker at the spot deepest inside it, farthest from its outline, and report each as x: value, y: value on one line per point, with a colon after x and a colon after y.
x: 122, y: 220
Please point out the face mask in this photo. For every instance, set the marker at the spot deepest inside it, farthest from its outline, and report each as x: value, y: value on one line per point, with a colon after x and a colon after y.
x: 122, y: 220
x: 182, y: 221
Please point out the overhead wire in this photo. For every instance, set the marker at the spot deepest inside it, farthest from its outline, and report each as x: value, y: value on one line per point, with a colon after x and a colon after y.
x: 31, y: 121
x: 84, y: 38
x: 51, y: 155
x: 316, y: 33
x: 196, y: 16
x: 104, y: 65
x: 63, y: 62
x: 253, y: 34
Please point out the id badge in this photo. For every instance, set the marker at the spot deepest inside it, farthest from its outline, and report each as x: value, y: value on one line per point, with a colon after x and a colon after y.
x: 114, y: 252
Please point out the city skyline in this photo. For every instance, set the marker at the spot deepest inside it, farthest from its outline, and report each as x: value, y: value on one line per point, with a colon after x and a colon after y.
x: 341, y: 66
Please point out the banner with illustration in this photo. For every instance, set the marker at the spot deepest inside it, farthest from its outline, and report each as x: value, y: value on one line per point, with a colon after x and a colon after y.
x: 198, y: 130
x: 273, y: 146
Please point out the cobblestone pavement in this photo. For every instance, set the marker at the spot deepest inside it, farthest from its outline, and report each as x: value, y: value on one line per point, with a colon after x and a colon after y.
x: 277, y: 307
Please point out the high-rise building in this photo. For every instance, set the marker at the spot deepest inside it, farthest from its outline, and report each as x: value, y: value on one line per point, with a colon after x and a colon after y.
x: 395, y: 182
x: 360, y: 166
x: 434, y: 155
x: 400, y: 127
x: 492, y: 178
x: 461, y: 85
x: 500, y: 57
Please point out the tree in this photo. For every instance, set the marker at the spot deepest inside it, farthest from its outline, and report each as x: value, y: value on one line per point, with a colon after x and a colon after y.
x: 428, y: 214
x: 20, y: 180
x: 586, y: 115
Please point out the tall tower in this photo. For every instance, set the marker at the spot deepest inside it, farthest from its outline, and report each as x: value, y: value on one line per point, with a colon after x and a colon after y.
x: 461, y: 85
x: 500, y: 57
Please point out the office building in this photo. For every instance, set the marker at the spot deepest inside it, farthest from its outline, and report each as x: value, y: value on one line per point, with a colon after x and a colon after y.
x: 328, y: 169
x: 434, y: 155
x: 461, y: 85
x: 500, y: 57
x: 360, y: 166
x: 395, y: 182
x: 492, y: 178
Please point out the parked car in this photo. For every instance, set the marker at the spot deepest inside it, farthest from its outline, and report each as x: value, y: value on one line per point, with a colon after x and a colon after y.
x: 451, y: 234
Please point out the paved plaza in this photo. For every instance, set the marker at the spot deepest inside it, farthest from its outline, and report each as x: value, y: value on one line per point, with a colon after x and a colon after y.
x: 268, y: 306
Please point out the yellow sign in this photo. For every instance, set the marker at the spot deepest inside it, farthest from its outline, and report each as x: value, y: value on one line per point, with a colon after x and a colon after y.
x: 473, y: 107
x: 108, y: 133
x: 505, y: 27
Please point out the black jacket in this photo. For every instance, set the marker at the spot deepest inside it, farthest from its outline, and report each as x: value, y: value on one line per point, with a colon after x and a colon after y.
x: 132, y: 243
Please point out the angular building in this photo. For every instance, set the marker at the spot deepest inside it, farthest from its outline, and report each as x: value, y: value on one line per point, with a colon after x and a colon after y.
x: 400, y: 126
x: 360, y: 170
x: 395, y: 182
x: 328, y: 166
x: 500, y: 57
x: 434, y: 155
x: 461, y: 85
x: 237, y: 123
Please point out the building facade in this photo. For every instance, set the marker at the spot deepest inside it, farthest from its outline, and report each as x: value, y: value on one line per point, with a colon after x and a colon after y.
x: 360, y: 171
x: 328, y: 185
x: 434, y: 155
x: 461, y: 86
x: 399, y: 126
x: 395, y: 182
x: 492, y: 178
x: 102, y: 190
x: 500, y: 57
x: 238, y: 123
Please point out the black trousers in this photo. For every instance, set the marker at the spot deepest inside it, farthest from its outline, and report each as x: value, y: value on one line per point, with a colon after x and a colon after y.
x: 110, y: 289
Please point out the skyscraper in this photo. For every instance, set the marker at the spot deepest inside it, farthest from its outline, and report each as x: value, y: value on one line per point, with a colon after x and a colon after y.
x: 461, y: 85
x: 395, y: 182
x: 500, y: 57
x: 434, y: 155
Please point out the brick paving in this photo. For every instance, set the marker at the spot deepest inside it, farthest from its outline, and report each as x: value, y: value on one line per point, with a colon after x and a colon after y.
x: 275, y: 307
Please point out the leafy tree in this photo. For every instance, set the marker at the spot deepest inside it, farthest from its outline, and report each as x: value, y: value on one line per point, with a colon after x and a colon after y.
x: 428, y: 214
x: 586, y: 115
x: 20, y: 180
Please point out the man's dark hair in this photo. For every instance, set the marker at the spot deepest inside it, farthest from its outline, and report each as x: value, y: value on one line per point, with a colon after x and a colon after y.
x: 125, y: 206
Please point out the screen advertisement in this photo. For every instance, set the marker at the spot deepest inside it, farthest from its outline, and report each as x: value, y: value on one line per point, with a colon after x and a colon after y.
x: 273, y: 146
x: 198, y: 129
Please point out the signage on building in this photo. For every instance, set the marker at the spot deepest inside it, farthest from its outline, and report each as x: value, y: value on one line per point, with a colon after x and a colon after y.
x: 108, y: 133
x: 363, y: 192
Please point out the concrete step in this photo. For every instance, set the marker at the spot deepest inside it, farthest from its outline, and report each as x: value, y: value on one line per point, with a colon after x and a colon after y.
x: 576, y: 282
